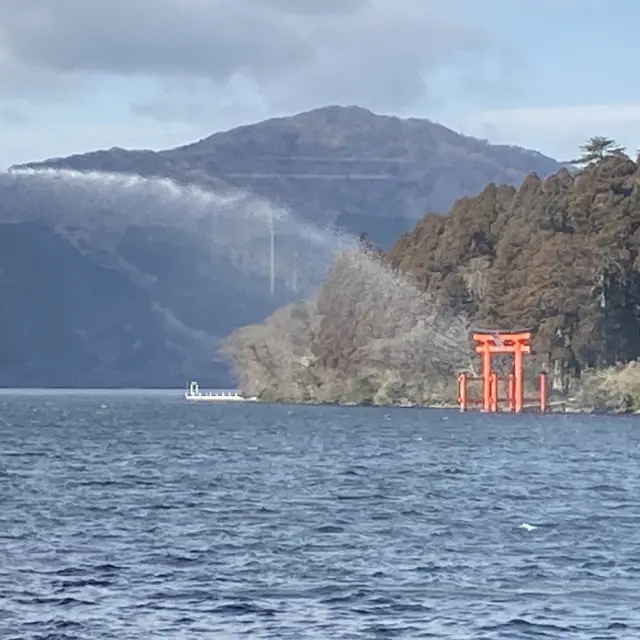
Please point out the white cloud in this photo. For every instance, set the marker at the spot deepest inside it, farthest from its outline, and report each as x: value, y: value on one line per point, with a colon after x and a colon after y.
x: 556, y: 130
x: 39, y: 141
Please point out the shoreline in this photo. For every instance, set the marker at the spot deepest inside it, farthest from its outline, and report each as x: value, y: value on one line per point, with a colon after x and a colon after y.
x: 557, y: 407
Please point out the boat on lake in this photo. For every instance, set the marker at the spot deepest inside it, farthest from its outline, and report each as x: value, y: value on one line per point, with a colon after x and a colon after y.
x: 194, y: 394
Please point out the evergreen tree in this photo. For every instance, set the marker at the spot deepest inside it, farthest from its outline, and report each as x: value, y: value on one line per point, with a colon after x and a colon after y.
x: 597, y: 148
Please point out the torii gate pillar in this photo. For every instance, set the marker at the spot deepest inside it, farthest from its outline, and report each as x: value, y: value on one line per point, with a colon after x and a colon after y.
x: 491, y: 342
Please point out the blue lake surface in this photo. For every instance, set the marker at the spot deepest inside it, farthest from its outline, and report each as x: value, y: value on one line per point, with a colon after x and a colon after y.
x: 138, y: 515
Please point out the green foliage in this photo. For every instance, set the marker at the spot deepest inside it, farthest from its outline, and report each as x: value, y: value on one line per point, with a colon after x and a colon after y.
x: 363, y: 391
x: 596, y: 148
x: 615, y: 389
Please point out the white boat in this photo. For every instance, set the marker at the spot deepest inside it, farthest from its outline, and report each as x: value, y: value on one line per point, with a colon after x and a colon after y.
x: 194, y: 394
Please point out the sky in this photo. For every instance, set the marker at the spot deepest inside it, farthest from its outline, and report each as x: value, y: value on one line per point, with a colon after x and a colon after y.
x: 80, y: 75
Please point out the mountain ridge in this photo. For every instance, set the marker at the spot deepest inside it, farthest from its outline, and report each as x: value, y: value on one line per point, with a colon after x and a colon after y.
x: 127, y: 211
x: 336, y: 166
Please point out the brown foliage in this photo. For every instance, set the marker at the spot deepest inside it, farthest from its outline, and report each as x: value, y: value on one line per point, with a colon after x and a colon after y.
x: 560, y: 255
x: 370, y: 336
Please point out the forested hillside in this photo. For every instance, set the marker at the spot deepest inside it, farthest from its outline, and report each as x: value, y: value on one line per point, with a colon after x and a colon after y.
x: 560, y: 255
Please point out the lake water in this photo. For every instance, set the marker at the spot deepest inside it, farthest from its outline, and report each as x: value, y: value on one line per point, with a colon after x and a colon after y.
x: 129, y: 516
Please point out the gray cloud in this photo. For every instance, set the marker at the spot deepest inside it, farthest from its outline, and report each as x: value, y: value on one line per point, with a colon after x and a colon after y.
x: 292, y: 53
x: 13, y: 116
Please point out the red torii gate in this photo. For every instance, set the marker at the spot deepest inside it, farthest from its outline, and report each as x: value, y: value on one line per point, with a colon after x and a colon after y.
x: 489, y: 342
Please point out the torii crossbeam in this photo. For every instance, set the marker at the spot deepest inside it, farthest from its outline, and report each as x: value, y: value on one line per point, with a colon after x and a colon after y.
x: 488, y: 343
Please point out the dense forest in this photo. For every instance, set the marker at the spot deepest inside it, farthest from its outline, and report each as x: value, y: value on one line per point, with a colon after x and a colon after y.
x: 559, y: 255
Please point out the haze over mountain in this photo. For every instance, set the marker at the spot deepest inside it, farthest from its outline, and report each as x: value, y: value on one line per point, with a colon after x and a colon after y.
x: 113, y: 280
x: 341, y: 166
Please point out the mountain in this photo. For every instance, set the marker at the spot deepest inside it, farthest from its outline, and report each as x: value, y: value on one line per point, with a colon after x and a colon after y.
x: 108, y: 283
x: 66, y: 321
x: 341, y: 166
x: 125, y: 268
x: 560, y: 255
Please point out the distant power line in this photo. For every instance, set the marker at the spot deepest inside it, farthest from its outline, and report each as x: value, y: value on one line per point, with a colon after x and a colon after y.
x: 313, y: 176
x: 326, y: 159
x: 350, y: 159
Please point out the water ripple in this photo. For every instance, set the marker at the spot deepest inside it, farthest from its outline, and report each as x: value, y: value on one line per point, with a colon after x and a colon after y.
x: 152, y: 518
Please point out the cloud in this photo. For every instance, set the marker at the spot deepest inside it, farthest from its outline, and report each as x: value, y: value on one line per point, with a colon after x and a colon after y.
x: 285, y: 54
x: 38, y: 141
x: 12, y: 116
x: 560, y: 118
x: 558, y: 129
